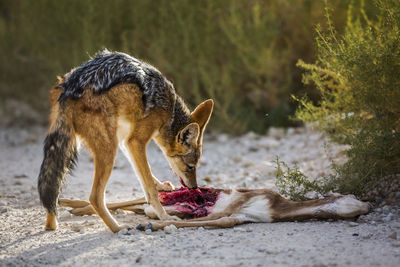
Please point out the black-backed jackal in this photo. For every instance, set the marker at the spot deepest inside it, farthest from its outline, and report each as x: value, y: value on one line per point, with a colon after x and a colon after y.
x: 116, y: 100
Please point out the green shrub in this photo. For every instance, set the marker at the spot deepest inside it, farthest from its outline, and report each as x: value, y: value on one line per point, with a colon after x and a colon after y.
x: 357, y: 75
x: 292, y: 183
x: 241, y: 53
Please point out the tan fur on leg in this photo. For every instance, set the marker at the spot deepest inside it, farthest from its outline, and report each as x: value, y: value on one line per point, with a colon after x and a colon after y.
x: 51, y: 222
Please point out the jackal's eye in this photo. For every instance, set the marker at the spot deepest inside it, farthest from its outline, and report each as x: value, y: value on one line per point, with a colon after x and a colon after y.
x: 190, y: 168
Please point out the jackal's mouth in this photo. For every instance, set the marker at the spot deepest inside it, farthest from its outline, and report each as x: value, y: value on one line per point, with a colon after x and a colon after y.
x: 182, y: 182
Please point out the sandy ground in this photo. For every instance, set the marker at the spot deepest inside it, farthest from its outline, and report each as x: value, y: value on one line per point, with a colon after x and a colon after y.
x: 245, y: 161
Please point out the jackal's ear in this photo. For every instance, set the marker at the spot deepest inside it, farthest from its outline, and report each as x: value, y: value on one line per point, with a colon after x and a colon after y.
x: 201, y: 115
x: 189, y: 134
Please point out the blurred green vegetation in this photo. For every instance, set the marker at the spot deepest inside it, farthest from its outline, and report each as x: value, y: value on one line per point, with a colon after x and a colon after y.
x: 240, y: 53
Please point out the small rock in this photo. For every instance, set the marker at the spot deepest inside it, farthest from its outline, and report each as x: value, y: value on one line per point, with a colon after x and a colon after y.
x: 123, y: 231
x: 379, y: 200
x: 393, y: 235
x: 353, y: 224
x: 396, y: 244
x: 355, y: 234
x: 367, y: 236
x: 87, y: 222
x: 3, y: 203
x: 363, y: 218
x: 388, y: 218
x: 253, y: 149
x: 235, y: 159
x: 19, y: 176
x: 220, y: 234
x: 148, y: 231
x: 277, y: 133
x: 207, y: 179
x: 76, y: 227
x: 82, y: 231
x: 247, y: 164
x: 386, y: 209
x: 121, y: 212
x: 396, y: 224
x: 3, y: 209
x: 222, y: 138
x: 169, y: 229
x: 65, y: 215
x: 201, y: 228
x: 131, y: 232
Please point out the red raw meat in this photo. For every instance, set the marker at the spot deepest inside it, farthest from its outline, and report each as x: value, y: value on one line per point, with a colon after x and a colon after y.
x: 197, y: 202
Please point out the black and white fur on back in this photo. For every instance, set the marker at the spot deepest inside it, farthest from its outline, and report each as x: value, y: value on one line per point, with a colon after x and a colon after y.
x: 108, y: 69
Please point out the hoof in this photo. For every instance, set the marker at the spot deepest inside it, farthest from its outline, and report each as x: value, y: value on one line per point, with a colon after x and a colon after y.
x: 149, y: 226
x: 140, y: 227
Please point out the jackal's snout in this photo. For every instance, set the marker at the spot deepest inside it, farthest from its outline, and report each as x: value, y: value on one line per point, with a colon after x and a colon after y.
x: 191, y: 179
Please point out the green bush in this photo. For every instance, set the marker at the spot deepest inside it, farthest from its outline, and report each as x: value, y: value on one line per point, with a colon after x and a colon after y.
x: 292, y: 183
x: 357, y: 75
x: 240, y: 53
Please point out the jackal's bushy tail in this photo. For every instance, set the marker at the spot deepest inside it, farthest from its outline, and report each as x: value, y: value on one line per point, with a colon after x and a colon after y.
x: 60, y: 155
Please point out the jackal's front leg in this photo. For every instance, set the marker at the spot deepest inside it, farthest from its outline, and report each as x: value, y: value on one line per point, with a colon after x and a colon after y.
x: 137, y: 150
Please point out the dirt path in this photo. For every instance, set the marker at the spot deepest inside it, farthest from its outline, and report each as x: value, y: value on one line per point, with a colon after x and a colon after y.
x: 228, y: 162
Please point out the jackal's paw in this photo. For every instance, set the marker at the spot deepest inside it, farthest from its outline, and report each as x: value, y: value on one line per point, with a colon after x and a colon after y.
x: 165, y: 186
x: 122, y: 228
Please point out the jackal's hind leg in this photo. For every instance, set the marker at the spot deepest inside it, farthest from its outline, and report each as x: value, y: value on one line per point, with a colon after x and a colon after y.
x: 51, y: 222
x: 104, y: 155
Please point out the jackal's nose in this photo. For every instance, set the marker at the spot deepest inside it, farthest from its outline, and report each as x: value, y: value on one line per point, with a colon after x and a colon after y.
x: 193, y: 185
